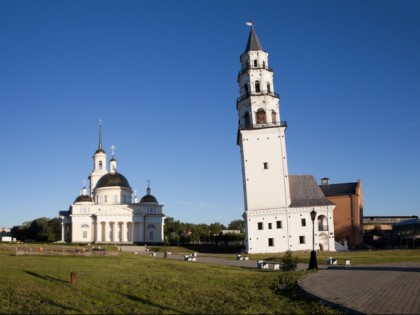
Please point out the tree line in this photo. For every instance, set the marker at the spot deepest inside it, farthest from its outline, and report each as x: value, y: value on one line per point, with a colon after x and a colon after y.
x: 175, y: 232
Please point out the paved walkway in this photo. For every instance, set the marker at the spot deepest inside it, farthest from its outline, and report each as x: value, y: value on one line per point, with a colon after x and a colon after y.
x: 371, y: 289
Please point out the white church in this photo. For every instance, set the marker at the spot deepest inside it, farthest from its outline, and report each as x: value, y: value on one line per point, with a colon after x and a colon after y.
x: 277, y: 205
x: 108, y: 212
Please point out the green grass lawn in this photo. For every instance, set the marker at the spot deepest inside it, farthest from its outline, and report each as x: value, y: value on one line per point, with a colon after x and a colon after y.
x: 130, y: 283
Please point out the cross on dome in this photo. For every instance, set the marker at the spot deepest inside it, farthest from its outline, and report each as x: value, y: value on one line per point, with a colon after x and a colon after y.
x: 112, y: 147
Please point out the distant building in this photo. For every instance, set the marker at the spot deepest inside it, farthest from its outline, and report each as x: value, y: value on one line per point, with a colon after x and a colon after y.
x: 108, y: 213
x: 348, y: 213
x: 278, y: 207
x: 378, y: 230
x: 406, y: 234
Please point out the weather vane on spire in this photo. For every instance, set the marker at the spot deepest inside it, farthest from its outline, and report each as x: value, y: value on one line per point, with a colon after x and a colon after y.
x: 250, y: 23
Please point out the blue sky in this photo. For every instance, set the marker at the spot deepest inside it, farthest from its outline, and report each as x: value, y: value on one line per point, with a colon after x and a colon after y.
x: 162, y: 77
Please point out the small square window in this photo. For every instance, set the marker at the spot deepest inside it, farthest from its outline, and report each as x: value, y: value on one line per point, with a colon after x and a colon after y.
x: 266, y: 165
x: 260, y: 225
x: 271, y: 242
x: 302, y: 239
x: 303, y: 222
x: 279, y: 225
x: 269, y: 226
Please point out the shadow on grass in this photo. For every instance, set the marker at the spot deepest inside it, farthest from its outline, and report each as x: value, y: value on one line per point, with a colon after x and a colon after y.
x: 48, y: 278
x: 160, y: 307
x: 49, y: 301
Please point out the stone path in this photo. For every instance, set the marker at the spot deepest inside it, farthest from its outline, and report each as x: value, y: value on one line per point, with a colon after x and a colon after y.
x: 372, y: 289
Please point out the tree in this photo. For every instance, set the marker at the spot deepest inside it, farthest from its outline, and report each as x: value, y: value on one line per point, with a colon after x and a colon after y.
x: 237, y: 225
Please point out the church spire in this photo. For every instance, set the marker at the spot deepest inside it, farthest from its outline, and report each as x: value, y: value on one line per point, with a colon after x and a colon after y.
x: 100, y: 135
x: 253, y: 41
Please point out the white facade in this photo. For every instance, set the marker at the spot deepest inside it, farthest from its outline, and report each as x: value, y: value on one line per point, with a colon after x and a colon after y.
x: 108, y: 213
x: 277, y: 211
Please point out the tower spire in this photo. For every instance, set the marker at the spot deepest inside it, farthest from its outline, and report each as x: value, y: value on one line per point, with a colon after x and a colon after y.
x: 253, y: 41
x: 100, y: 135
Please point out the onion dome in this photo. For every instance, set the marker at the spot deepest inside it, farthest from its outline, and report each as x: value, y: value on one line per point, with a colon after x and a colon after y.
x: 112, y: 179
x: 148, y: 197
x: 82, y: 198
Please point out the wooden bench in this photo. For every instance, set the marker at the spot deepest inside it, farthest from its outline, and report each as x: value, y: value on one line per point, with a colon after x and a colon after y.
x: 153, y: 254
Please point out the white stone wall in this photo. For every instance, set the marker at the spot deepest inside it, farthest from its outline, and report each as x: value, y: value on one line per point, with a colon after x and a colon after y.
x: 265, y: 188
x: 291, y: 233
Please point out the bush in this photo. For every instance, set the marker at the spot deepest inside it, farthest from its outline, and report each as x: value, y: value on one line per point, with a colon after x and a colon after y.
x: 288, y: 262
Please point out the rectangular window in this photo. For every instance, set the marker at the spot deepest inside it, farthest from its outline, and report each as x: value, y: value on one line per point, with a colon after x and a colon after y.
x: 271, y: 242
x: 266, y: 165
x: 279, y: 225
x: 260, y: 225
x: 302, y: 239
x: 84, y: 234
x: 150, y: 235
x: 303, y: 222
x: 269, y: 226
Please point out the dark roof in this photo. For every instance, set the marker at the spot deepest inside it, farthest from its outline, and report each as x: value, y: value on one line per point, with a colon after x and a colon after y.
x: 112, y: 179
x: 408, y: 222
x: 339, y: 189
x: 305, y: 192
x: 83, y: 198
x: 148, y: 198
x: 253, y: 41
x: 99, y: 151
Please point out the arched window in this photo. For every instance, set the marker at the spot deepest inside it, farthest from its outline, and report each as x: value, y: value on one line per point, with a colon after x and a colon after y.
x: 100, y: 165
x: 255, y: 63
x: 322, y: 223
x: 151, y: 226
x: 260, y: 117
x: 85, y: 226
x: 273, y: 117
x: 268, y: 88
x: 257, y: 86
x: 264, y: 64
x: 247, y: 120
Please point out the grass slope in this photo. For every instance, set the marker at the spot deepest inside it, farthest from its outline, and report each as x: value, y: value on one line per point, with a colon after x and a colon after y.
x: 138, y: 284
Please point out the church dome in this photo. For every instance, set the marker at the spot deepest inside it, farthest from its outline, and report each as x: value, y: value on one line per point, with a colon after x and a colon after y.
x: 112, y: 179
x: 83, y: 198
x: 148, y: 198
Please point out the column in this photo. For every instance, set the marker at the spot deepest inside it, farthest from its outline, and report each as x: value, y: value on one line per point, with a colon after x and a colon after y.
x: 98, y: 231
x: 63, y: 228
x: 114, y: 232
x: 124, y: 232
x: 106, y: 224
x: 141, y: 232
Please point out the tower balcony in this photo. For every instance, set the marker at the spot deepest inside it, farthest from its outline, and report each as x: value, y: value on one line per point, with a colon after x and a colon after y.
x: 263, y: 92
x: 248, y: 67
x: 282, y: 123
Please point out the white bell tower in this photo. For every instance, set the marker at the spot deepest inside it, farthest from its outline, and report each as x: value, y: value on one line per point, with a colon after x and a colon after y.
x: 99, y: 163
x: 261, y: 133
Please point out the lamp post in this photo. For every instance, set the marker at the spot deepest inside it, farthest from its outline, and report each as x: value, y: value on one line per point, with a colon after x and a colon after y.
x: 313, y: 264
